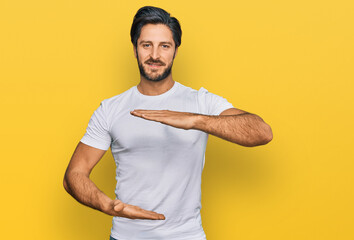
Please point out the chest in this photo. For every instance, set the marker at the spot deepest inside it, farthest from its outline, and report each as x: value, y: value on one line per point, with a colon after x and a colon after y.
x: 131, y: 133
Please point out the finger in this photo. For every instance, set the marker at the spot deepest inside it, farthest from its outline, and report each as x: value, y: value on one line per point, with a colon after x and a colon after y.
x: 118, y: 206
x: 155, y: 215
x: 151, y: 114
x: 152, y: 117
x: 139, y: 213
x: 145, y: 214
x: 149, y: 111
x: 160, y: 114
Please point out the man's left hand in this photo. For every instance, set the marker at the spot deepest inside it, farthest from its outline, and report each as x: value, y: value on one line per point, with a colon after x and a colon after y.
x: 184, y: 120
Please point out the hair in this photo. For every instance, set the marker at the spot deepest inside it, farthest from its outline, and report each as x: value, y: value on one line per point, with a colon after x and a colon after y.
x: 154, y: 15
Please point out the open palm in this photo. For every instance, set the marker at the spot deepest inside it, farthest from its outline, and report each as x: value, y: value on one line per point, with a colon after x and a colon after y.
x: 120, y: 209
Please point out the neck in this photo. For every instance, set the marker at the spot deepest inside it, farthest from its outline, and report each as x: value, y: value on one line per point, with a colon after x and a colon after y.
x: 151, y: 88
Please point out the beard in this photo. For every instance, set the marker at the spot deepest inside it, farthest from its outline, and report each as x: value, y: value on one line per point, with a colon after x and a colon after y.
x: 150, y: 77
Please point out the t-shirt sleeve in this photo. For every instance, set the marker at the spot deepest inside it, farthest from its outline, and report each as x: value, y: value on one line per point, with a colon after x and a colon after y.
x: 97, y: 132
x: 212, y: 104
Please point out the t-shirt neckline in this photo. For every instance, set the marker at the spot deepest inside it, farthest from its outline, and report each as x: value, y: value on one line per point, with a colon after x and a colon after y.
x: 168, y: 92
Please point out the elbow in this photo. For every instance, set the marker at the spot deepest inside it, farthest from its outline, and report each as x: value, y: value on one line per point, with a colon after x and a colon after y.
x: 65, y: 184
x: 268, y: 135
x: 268, y: 139
x: 264, y: 138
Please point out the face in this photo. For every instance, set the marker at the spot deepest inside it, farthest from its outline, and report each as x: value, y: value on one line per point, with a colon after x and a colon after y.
x: 155, y: 52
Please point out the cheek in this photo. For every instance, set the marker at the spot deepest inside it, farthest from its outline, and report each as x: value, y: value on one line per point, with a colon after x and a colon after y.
x: 143, y: 54
x: 167, y: 57
x: 169, y: 54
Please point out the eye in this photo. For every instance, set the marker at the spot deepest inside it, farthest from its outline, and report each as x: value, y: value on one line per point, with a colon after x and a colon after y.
x: 165, y: 46
x: 146, y: 45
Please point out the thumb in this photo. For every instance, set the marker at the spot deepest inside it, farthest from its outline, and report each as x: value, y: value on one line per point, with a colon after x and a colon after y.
x: 118, y: 205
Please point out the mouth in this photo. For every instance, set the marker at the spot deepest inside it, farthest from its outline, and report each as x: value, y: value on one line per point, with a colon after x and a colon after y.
x: 154, y: 65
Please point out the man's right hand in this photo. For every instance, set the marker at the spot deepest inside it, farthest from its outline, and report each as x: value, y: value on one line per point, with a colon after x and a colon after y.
x: 120, y: 209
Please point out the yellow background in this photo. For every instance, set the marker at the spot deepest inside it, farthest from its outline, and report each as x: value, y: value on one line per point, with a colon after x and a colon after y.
x: 290, y: 62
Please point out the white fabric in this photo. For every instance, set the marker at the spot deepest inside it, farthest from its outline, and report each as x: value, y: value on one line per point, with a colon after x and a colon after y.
x: 159, y: 167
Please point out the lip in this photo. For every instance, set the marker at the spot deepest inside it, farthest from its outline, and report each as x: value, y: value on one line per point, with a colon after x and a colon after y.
x: 154, y: 66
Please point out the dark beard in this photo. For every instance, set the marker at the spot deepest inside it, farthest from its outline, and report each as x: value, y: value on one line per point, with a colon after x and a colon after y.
x: 158, y: 77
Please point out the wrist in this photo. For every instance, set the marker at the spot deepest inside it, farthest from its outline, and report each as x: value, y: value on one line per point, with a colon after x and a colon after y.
x: 200, y: 121
x: 105, y: 204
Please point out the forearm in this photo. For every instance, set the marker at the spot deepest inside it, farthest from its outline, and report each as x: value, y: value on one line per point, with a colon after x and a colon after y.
x: 80, y: 187
x: 244, y: 129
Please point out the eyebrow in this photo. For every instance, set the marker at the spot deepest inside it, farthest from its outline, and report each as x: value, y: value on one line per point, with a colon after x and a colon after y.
x: 143, y: 41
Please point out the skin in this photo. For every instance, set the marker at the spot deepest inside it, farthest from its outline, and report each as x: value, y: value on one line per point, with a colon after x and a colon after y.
x: 156, y: 44
x: 78, y: 184
x: 234, y: 125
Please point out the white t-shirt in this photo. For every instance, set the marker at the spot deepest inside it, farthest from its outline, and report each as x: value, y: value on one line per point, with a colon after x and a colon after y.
x: 159, y: 167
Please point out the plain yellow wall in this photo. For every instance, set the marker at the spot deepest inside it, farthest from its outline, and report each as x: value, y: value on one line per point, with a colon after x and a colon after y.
x: 290, y: 62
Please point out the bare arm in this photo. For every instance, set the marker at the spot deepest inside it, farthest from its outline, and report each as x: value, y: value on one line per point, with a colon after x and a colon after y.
x: 236, y: 126
x: 78, y: 184
x: 233, y: 124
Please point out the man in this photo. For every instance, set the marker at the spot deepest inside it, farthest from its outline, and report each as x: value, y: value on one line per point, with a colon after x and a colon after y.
x: 157, y: 132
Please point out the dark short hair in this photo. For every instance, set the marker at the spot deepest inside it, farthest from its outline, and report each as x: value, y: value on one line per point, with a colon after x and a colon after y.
x: 154, y: 15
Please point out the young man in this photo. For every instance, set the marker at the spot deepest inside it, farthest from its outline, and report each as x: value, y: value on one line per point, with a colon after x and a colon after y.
x: 157, y: 132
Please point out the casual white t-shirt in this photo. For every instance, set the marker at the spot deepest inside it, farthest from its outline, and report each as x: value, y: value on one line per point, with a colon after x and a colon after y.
x: 159, y: 167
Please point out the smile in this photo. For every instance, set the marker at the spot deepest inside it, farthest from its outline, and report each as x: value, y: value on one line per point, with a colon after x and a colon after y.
x: 154, y: 66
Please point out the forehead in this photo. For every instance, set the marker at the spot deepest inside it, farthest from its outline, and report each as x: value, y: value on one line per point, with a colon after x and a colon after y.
x: 155, y: 33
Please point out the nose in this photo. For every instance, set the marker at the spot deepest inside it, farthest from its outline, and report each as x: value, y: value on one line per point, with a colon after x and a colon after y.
x: 155, y: 53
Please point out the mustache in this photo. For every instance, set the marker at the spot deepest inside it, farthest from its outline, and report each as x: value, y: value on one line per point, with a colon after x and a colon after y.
x: 152, y: 61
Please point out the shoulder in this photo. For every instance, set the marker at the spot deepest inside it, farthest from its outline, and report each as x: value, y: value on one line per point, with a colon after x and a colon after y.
x: 117, y: 99
x: 185, y: 90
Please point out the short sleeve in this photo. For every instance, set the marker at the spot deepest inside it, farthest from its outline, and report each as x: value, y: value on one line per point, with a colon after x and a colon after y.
x: 212, y: 104
x: 97, y: 132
